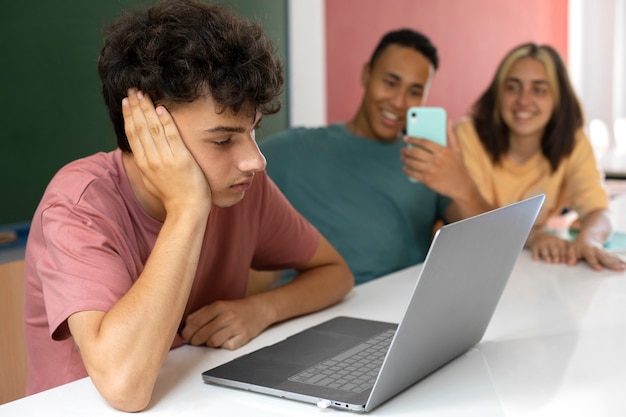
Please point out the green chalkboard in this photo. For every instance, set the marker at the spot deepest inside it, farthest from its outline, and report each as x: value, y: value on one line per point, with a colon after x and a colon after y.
x: 52, y: 111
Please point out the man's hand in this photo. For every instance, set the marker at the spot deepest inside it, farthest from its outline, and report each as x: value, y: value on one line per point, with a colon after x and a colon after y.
x: 441, y: 168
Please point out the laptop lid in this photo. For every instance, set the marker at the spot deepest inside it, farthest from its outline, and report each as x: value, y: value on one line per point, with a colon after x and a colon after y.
x: 458, y: 288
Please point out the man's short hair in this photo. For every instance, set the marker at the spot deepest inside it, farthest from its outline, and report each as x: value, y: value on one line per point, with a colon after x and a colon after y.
x: 408, y: 38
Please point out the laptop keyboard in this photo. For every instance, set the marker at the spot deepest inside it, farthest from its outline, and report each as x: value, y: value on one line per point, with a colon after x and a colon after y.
x: 354, y: 370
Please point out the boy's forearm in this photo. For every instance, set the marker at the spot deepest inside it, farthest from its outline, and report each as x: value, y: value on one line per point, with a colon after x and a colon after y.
x: 311, y: 291
x: 124, y: 354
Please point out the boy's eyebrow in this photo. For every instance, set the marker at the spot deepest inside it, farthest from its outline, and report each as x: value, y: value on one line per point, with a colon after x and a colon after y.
x: 225, y: 129
x: 232, y: 129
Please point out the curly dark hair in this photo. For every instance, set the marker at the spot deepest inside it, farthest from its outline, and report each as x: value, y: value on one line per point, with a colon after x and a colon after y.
x: 178, y: 51
x: 558, y: 136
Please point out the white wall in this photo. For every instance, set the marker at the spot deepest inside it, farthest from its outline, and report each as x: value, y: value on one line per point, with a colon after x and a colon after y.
x: 597, y: 58
x: 307, y: 63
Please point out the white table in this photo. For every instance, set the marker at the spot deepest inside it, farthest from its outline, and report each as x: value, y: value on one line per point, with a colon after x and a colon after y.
x: 556, y: 346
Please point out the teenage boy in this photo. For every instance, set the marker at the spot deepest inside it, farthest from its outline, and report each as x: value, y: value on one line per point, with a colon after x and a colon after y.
x: 148, y: 247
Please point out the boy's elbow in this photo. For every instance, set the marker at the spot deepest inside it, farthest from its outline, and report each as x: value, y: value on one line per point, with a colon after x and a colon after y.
x: 347, y: 280
x: 128, y: 402
x: 125, y: 396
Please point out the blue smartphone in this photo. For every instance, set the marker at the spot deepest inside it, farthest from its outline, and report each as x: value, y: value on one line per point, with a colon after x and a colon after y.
x: 427, y: 123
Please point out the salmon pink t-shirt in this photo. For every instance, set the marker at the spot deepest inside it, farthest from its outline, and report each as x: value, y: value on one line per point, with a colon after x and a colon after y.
x: 90, y: 238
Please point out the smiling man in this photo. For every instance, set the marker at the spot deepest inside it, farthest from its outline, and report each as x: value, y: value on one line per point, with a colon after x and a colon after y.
x: 148, y: 247
x: 351, y: 179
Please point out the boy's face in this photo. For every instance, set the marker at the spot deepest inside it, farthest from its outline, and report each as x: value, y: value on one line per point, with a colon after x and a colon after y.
x: 224, y: 146
x: 399, y: 79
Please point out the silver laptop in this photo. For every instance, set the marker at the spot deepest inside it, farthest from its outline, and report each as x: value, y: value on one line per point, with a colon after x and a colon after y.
x: 457, y: 291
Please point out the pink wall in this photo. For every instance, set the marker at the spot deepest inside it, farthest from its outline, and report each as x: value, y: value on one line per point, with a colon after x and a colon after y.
x: 471, y: 35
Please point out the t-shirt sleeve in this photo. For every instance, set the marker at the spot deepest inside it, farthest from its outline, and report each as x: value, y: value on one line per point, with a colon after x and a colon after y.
x: 585, y: 186
x: 80, y: 268
x: 286, y: 239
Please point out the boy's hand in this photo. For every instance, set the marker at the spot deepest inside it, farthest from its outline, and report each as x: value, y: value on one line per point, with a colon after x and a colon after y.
x: 226, y: 324
x: 169, y: 171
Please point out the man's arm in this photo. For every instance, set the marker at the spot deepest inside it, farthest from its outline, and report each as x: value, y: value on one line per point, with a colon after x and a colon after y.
x: 323, y: 281
x: 123, y: 349
x: 442, y: 169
